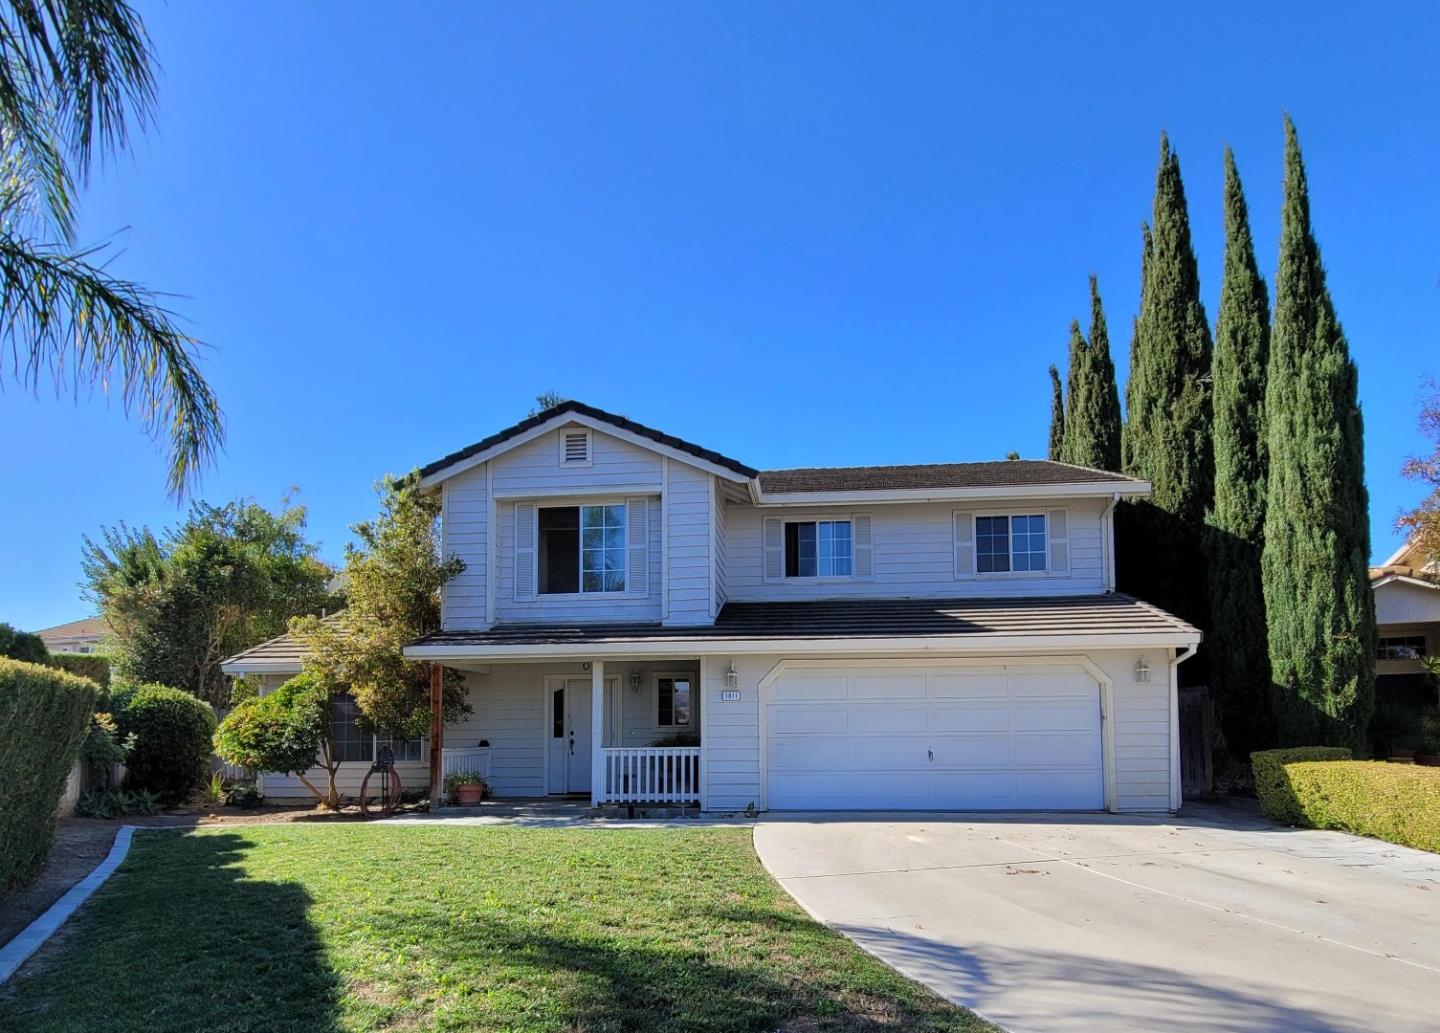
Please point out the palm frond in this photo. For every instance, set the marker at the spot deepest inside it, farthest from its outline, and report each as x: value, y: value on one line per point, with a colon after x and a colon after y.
x: 65, y: 317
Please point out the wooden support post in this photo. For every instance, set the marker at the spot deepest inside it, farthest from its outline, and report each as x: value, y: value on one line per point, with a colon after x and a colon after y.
x: 437, y: 733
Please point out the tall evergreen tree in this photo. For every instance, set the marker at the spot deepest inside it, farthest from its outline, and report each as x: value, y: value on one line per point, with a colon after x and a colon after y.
x: 1075, y: 383
x: 1319, y: 608
x: 1126, y: 439
x: 1057, y: 415
x: 1167, y: 435
x: 1104, y: 398
x: 1239, y: 661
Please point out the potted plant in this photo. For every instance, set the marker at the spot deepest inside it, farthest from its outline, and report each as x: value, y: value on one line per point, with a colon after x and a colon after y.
x: 465, y: 788
x: 1428, y: 752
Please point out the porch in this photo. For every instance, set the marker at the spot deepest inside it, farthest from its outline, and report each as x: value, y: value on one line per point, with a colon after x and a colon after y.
x: 613, y: 731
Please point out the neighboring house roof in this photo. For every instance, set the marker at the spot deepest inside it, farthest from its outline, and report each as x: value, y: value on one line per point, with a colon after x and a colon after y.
x: 1066, y: 616
x: 282, y: 654
x: 622, y: 422
x: 88, y: 627
x: 777, y: 486
x: 1005, y: 473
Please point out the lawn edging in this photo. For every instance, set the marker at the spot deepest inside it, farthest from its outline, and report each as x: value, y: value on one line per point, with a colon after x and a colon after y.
x: 33, y: 936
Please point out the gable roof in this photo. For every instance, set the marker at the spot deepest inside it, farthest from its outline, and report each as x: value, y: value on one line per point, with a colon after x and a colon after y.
x: 282, y: 654
x: 86, y: 627
x: 580, y: 408
x: 1004, y: 473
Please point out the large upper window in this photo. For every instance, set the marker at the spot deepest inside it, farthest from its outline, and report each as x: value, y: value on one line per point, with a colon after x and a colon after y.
x: 1009, y: 543
x: 582, y: 549
x: 350, y: 741
x: 1400, y: 647
x: 819, y: 548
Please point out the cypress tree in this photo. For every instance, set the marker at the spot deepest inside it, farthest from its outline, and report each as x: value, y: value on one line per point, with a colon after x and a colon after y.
x: 1077, y: 433
x: 1319, y: 608
x: 1104, y: 396
x: 1167, y: 435
x: 1237, y: 648
x: 1057, y: 415
x: 1126, y: 439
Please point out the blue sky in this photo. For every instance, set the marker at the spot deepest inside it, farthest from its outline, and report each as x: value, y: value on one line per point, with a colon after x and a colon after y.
x: 799, y: 234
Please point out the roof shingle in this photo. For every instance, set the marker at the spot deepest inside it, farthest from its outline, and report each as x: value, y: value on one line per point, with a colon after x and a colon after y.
x: 1005, y: 473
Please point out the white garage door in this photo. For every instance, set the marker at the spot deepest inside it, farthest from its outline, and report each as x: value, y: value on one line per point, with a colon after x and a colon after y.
x: 1011, y: 737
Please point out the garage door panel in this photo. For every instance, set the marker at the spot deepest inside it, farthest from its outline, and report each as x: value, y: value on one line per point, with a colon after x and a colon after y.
x: 886, y: 687
x: 970, y: 717
x: 981, y: 682
x: 871, y: 737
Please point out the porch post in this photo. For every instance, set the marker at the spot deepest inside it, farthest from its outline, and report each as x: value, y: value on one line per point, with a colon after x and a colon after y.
x: 437, y: 733
x: 597, y: 731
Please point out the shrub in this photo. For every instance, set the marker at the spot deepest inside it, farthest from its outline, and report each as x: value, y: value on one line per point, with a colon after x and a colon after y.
x: 1273, y: 788
x: 103, y: 748
x: 22, y: 645
x: 286, y: 731
x: 1399, y: 803
x: 171, y: 753
x: 95, y: 666
x: 43, y: 716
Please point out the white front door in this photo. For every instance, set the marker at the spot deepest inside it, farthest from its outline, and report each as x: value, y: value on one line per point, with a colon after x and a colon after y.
x: 971, y: 737
x: 578, y: 724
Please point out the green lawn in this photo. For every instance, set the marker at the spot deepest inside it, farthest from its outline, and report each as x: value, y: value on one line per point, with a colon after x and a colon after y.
x: 361, y: 927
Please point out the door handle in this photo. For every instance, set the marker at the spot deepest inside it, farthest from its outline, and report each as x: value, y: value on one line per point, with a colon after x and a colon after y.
x: 572, y: 744
x: 932, y: 755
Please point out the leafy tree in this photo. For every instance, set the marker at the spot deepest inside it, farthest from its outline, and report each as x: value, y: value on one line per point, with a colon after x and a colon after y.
x: 394, y: 578
x: 547, y: 400
x: 1422, y: 523
x: 225, y: 579
x: 1319, y: 607
x: 1168, y: 426
x: 75, y: 76
x: 287, y: 731
x: 1237, y: 650
x: 1092, y: 421
x: 22, y: 645
x: 1057, y: 416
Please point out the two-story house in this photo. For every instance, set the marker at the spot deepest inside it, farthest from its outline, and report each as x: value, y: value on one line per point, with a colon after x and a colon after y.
x: 899, y: 637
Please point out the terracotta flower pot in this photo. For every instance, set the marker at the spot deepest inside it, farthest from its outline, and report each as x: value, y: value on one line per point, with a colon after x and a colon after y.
x: 468, y: 795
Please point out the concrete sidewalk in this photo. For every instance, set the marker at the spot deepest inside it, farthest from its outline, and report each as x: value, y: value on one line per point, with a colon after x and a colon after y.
x: 1212, y: 921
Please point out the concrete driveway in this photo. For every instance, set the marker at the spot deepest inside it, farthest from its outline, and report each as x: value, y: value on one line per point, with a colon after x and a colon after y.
x: 1212, y: 921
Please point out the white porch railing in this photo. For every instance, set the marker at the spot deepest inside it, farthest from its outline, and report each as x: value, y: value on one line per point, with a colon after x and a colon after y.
x: 651, y: 774
x: 471, y: 758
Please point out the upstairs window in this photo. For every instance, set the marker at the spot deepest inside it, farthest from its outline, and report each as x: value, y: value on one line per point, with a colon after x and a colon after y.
x: 1400, y: 647
x: 1010, y: 543
x: 819, y: 548
x: 581, y: 549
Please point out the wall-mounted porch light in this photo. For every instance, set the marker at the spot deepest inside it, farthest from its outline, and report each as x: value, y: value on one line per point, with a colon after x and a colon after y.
x: 1142, y: 670
x: 634, y: 679
x: 732, y: 678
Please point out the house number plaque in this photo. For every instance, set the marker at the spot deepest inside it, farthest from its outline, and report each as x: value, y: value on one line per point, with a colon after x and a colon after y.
x: 730, y: 696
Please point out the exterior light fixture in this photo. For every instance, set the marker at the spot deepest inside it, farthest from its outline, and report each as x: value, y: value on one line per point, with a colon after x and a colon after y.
x: 732, y: 677
x: 635, y: 679
x: 1142, y: 670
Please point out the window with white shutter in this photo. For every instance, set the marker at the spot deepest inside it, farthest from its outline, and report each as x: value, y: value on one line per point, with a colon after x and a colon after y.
x: 637, y: 576
x: 1059, y: 541
x: 864, y: 547
x: 774, y: 548
x: 524, y: 550
x: 964, y: 524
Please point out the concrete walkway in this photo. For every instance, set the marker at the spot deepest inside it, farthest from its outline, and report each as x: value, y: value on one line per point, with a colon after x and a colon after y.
x: 1057, y: 923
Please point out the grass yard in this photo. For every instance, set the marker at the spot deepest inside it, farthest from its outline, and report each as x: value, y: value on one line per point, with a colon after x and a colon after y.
x: 307, y: 929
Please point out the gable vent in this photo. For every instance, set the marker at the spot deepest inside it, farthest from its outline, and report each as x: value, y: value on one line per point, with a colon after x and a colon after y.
x: 575, y: 447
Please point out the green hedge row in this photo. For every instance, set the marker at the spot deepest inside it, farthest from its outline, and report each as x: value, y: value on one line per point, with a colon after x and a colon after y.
x: 44, y: 713
x: 1272, y: 785
x: 95, y: 666
x: 1399, y: 803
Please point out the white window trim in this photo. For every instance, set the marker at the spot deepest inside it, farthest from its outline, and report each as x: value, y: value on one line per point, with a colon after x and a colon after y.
x: 565, y: 432
x: 817, y: 521
x: 1012, y: 574
x: 694, y: 681
x: 580, y: 504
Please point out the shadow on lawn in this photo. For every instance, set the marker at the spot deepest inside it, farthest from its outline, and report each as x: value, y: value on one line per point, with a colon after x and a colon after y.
x: 190, y: 945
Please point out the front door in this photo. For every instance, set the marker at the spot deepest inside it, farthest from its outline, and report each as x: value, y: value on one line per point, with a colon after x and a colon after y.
x: 578, y: 724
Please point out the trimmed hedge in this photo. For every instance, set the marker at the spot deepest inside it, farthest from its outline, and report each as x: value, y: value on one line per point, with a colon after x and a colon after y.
x: 95, y: 666
x: 44, y: 714
x: 171, y: 753
x: 1399, y: 803
x: 1272, y: 786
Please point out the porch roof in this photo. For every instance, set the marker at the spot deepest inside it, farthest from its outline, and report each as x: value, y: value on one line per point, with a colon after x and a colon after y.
x: 1112, y: 619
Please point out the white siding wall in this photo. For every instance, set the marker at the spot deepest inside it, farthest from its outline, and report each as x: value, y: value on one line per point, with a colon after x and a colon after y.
x: 720, y: 552
x: 1141, y: 718
x: 465, y: 532
x: 615, y: 464
x: 689, y: 524
x: 634, y: 716
x: 913, y: 554
x: 509, y: 711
